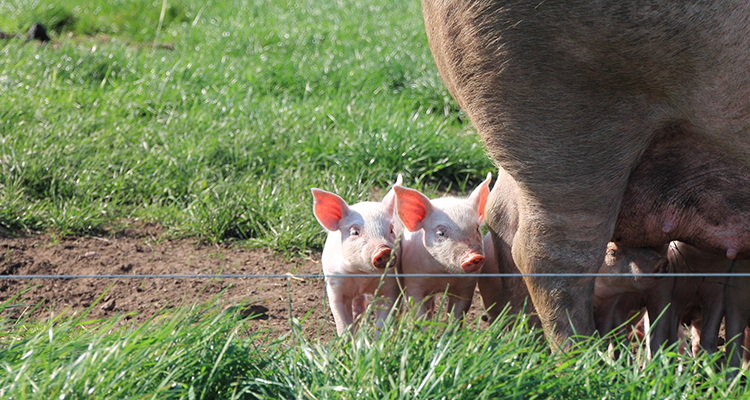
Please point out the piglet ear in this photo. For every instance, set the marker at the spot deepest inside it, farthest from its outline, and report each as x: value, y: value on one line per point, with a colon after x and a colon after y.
x: 399, y: 180
x: 412, y: 207
x: 478, y: 198
x: 389, y: 201
x: 328, y: 208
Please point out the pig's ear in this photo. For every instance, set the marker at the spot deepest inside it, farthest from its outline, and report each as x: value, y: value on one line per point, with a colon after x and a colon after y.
x: 478, y: 198
x: 329, y: 208
x: 389, y: 201
x: 399, y: 180
x: 412, y: 207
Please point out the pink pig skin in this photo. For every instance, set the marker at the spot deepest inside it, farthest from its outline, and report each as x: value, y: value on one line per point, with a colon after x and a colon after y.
x: 360, y: 241
x: 441, y: 236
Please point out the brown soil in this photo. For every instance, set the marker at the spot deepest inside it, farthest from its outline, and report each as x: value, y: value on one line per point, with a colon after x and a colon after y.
x: 141, y: 250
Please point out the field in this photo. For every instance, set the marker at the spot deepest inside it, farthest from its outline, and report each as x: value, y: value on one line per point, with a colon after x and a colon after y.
x: 183, y: 137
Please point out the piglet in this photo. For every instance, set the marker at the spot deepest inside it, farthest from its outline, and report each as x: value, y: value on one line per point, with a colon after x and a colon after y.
x: 737, y: 298
x: 616, y: 297
x: 701, y: 302
x: 360, y: 241
x: 441, y: 236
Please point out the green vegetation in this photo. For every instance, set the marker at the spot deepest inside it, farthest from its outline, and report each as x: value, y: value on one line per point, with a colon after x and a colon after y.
x: 202, y: 353
x: 216, y: 118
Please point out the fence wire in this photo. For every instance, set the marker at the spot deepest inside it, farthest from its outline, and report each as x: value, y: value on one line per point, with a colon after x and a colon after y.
x: 318, y: 276
x: 396, y: 247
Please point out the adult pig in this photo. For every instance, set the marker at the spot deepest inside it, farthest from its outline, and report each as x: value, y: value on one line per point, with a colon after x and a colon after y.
x: 441, y: 236
x: 619, y: 121
x: 360, y: 241
x: 496, y: 291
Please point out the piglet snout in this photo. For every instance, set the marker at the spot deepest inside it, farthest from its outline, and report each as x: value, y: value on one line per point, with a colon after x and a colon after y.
x: 472, y: 263
x: 381, y: 257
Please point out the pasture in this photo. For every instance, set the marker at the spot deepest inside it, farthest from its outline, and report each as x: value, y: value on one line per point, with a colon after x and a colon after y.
x: 212, y: 120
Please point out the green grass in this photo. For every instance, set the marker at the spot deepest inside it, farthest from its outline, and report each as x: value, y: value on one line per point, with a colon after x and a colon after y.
x: 204, y: 353
x: 221, y: 137
x: 215, y: 118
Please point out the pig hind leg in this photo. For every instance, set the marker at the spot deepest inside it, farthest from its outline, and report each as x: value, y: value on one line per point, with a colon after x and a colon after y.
x: 711, y: 323
x: 659, y: 313
x: 736, y: 324
x: 460, y: 303
x: 419, y: 298
x: 359, y: 304
x: 385, y: 300
x: 737, y: 318
x: 341, y: 307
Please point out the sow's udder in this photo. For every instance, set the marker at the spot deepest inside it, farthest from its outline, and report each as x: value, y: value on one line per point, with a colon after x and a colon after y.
x: 686, y: 189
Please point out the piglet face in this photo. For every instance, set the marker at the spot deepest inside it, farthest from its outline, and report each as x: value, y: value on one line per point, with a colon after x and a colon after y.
x: 453, y: 238
x: 631, y: 260
x: 451, y: 226
x: 367, y: 237
x: 364, y: 232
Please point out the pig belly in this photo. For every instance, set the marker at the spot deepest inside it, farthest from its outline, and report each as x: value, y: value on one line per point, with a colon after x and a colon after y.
x: 686, y: 188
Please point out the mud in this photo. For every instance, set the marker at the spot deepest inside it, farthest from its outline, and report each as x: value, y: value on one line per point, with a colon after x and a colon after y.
x: 142, y: 249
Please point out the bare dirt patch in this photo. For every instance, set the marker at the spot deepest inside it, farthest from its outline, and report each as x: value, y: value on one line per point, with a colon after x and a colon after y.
x: 138, y: 250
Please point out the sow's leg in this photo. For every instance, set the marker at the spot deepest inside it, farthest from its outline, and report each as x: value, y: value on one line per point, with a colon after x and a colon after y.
x: 501, y: 216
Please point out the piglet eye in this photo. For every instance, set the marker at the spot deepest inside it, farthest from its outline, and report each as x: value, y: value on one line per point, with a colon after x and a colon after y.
x: 440, y: 233
x: 353, y: 232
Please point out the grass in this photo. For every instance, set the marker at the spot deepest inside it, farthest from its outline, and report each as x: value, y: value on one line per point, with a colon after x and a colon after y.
x: 214, y: 118
x: 205, y: 353
x: 193, y: 352
x: 221, y: 137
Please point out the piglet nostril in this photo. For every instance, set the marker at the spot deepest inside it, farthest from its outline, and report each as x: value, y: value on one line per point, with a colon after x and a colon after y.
x: 473, y: 263
x: 380, y: 259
